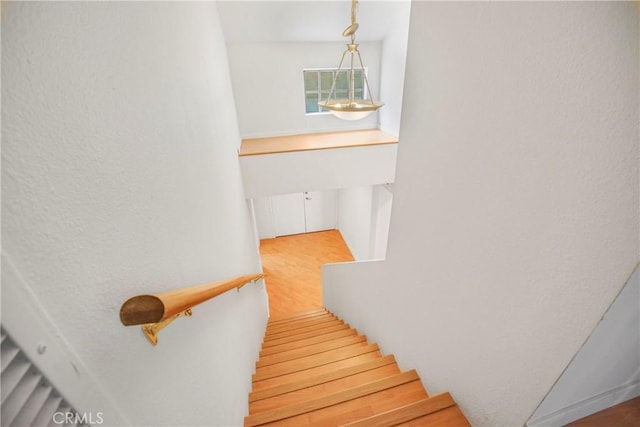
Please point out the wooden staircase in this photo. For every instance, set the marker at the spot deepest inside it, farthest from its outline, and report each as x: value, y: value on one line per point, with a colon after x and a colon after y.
x: 315, y: 370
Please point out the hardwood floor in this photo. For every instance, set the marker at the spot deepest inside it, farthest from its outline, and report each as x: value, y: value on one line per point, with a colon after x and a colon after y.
x: 292, y: 265
x: 626, y: 414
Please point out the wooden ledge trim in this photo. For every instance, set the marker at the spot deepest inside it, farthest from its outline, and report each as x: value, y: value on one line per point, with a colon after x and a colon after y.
x: 315, y: 141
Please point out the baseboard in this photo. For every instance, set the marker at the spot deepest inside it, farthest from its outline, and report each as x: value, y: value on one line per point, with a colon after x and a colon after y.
x: 589, y: 406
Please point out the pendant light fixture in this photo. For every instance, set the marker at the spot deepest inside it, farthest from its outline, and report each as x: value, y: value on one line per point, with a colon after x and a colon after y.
x: 351, y: 109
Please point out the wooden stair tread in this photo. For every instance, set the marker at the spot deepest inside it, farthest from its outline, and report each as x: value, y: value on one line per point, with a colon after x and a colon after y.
x: 300, y: 324
x: 322, y: 378
x: 309, y: 350
x: 302, y: 330
x: 319, y: 370
x: 298, y: 315
x: 336, y: 385
x: 421, y: 408
x: 304, y: 335
x: 313, y: 361
x: 331, y: 399
x: 307, y: 341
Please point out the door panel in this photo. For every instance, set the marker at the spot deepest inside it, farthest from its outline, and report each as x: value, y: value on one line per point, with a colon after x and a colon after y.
x: 321, y: 210
x: 264, y: 217
x: 288, y: 214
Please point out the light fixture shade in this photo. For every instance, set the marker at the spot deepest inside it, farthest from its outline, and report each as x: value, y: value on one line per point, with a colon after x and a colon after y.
x: 351, y: 110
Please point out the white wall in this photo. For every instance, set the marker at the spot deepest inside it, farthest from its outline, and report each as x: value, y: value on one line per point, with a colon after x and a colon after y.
x: 515, y: 211
x: 354, y: 219
x: 268, y: 86
x: 606, y: 370
x: 392, y: 69
x: 120, y: 177
x: 284, y: 173
x: 382, y: 201
x: 364, y: 215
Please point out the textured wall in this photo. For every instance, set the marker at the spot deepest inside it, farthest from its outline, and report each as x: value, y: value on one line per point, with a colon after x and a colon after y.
x: 354, y: 219
x: 515, y: 211
x: 606, y: 370
x: 120, y: 177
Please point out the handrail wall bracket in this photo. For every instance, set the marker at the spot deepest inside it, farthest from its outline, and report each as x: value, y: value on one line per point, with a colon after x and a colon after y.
x: 150, y: 330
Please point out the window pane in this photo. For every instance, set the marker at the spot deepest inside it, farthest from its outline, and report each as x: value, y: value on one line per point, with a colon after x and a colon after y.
x: 358, y: 94
x: 359, y: 79
x: 310, y: 80
x: 311, y: 101
x: 342, y: 83
x: 326, y: 80
x: 342, y: 94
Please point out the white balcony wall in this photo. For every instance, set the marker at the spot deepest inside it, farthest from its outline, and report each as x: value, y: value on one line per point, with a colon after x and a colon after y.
x: 317, y: 170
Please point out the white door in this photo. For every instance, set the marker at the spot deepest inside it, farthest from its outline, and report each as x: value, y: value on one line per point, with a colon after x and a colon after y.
x: 264, y: 217
x: 288, y: 214
x: 320, y: 210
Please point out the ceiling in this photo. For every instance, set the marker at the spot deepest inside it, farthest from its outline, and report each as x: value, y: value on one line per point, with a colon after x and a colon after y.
x: 306, y: 20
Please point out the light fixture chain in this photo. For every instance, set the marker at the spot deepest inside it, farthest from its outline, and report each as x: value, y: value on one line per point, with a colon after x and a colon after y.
x: 354, y: 10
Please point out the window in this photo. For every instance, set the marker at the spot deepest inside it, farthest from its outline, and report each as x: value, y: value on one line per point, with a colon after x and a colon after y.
x: 317, y: 86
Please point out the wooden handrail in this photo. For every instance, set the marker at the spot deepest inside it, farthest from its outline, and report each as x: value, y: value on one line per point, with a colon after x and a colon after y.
x: 143, y: 309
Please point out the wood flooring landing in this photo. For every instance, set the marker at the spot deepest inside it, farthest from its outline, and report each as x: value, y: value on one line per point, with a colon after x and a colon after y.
x: 626, y: 414
x: 293, y: 268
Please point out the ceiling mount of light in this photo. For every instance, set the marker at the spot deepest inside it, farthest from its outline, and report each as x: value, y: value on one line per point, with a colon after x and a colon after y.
x: 351, y: 109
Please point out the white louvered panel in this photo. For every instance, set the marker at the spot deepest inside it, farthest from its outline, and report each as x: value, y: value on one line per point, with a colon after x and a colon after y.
x: 45, y: 416
x: 33, y: 405
x: 12, y: 376
x: 7, y: 353
x: 16, y: 400
x: 27, y: 398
